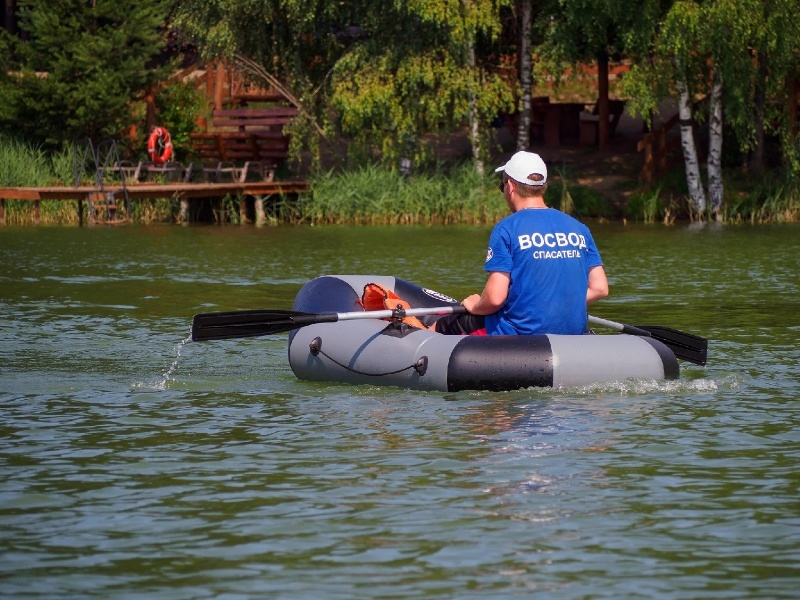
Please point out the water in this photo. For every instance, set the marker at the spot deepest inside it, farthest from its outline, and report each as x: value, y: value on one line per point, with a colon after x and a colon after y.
x: 136, y: 464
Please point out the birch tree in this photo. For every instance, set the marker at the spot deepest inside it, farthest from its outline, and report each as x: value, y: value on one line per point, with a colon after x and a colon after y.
x: 525, y: 75
x: 735, y: 54
x: 683, y: 33
x: 715, y: 185
x: 421, y: 72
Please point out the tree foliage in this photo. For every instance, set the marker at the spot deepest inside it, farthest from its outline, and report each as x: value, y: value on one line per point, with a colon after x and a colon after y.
x: 79, y: 67
x: 594, y: 31
x: 752, y: 45
x: 386, y: 73
x: 379, y: 72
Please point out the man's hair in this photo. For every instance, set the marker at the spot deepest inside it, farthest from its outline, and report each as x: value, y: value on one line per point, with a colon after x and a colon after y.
x: 530, y: 191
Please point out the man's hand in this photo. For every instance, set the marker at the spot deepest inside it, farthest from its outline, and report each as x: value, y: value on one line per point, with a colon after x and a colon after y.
x: 470, y: 302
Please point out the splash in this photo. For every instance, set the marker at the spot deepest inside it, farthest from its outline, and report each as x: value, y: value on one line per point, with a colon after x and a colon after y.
x: 639, y: 387
x: 167, y: 376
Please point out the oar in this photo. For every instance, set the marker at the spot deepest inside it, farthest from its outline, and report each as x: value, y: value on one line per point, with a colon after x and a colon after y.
x: 685, y: 346
x: 248, y: 323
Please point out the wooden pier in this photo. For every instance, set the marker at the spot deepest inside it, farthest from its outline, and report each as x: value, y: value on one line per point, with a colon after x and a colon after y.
x: 139, y: 191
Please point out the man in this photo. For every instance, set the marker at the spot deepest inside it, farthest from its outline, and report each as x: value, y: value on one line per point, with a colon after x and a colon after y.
x: 544, y: 267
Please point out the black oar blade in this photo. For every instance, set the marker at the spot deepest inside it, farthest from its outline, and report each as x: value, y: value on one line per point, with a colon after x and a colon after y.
x: 688, y: 347
x: 249, y: 323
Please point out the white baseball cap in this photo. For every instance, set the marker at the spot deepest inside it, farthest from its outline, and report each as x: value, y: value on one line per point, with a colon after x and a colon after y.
x: 522, y: 165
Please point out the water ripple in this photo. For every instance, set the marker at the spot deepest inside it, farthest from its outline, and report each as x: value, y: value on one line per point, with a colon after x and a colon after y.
x: 136, y: 464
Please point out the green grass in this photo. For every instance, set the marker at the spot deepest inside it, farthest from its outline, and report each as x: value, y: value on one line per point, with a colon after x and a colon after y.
x: 766, y: 199
x: 576, y: 200
x: 25, y: 165
x: 22, y: 164
x: 376, y: 195
x: 380, y: 195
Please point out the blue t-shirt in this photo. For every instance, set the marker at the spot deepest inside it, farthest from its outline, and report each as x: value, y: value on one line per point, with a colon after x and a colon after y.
x: 548, y: 255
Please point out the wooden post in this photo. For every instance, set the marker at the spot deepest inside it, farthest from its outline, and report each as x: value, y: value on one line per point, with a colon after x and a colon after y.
x: 602, y: 101
x: 219, y: 84
x: 260, y: 216
x: 36, y: 215
x: 183, y: 216
x: 80, y: 212
x: 662, y: 150
x: 242, y: 210
x: 2, y: 211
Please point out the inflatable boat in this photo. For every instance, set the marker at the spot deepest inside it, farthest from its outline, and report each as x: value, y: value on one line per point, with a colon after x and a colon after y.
x: 390, y: 353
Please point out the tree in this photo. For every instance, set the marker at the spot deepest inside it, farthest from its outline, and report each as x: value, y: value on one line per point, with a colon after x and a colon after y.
x: 575, y: 31
x: 395, y: 87
x: 525, y: 74
x: 735, y: 53
x: 81, y: 67
x: 384, y: 74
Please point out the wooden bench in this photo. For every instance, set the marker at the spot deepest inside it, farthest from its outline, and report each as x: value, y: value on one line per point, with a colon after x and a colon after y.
x: 252, y: 136
x: 590, y: 122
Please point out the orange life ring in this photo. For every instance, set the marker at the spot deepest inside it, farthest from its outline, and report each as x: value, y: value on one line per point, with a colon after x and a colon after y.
x: 159, y: 145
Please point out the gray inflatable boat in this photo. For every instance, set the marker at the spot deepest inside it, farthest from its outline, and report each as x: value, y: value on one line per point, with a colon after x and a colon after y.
x: 378, y: 352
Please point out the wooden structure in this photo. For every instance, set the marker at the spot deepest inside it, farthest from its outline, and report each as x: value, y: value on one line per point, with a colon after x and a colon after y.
x: 590, y: 122
x: 557, y: 124
x: 246, y: 126
x: 105, y: 201
x: 562, y: 123
x: 655, y: 157
x: 245, y: 134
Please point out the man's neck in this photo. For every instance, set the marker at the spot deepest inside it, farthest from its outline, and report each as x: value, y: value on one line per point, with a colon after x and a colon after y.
x: 533, y: 202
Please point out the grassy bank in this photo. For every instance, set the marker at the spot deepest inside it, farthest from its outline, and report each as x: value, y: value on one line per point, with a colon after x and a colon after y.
x: 376, y: 195
x: 771, y: 198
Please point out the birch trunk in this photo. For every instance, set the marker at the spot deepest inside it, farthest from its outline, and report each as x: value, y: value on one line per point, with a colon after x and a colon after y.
x: 525, y: 77
x: 715, y: 186
x: 474, y: 118
x: 693, y: 180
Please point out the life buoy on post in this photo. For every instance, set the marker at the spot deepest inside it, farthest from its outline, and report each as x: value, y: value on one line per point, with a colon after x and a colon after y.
x: 159, y: 145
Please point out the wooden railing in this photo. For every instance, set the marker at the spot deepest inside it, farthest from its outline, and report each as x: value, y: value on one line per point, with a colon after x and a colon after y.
x: 658, y: 152
x: 662, y: 151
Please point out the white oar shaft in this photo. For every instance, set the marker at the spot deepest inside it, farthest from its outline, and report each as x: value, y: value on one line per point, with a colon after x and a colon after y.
x: 411, y: 312
x: 605, y: 323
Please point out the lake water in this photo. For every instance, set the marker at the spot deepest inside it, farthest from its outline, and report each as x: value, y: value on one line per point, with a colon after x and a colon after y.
x: 135, y: 464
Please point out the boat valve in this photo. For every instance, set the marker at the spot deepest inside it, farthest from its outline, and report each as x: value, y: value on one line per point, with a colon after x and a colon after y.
x: 315, y: 346
x: 421, y: 366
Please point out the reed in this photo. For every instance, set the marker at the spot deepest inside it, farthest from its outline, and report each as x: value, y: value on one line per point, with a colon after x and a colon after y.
x: 51, y: 212
x: 774, y: 199
x: 156, y: 210
x: 645, y: 205
x: 373, y: 195
x: 23, y: 164
x: 26, y: 165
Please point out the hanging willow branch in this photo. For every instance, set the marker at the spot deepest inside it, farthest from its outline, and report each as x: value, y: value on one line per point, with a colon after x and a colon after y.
x: 259, y: 72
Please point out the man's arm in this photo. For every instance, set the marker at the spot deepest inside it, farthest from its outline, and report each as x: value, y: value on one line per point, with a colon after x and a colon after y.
x: 493, y: 297
x: 598, y: 285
